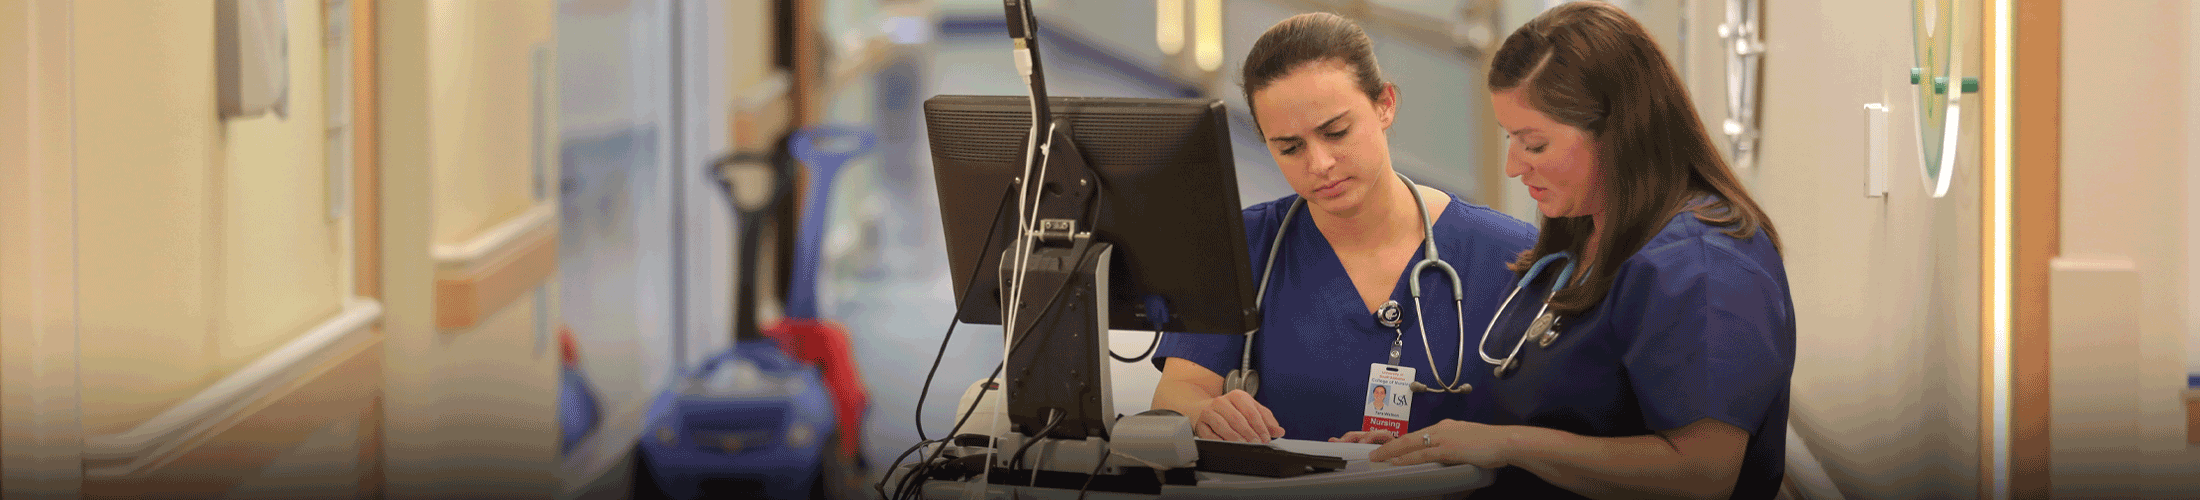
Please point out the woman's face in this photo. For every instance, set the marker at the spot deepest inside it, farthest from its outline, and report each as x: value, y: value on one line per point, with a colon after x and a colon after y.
x: 1327, y: 136
x: 1556, y: 161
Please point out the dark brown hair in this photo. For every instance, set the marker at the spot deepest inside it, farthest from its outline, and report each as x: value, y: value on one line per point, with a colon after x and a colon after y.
x: 1591, y: 66
x: 1304, y: 38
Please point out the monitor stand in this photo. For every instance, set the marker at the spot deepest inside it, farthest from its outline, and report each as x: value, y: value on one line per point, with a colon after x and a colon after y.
x: 1055, y: 367
x: 1055, y: 370
x: 1057, y: 373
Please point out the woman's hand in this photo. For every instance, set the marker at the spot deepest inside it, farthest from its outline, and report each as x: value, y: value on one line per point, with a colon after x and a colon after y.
x: 1450, y: 442
x: 1235, y: 416
x: 1193, y: 390
x: 1369, y: 437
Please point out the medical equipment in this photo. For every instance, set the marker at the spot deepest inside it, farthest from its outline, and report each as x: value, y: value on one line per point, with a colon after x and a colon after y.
x: 1246, y: 379
x: 1545, y: 327
x: 1136, y: 217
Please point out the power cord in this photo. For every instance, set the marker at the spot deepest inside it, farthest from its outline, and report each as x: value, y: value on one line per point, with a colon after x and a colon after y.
x: 993, y: 230
x: 1141, y: 357
x: 924, y: 467
x: 1017, y: 460
x: 1105, y: 452
x: 901, y: 490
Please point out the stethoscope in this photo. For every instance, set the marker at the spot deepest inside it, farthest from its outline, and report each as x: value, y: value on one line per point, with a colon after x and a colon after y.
x: 1545, y: 327
x: 1388, y: 314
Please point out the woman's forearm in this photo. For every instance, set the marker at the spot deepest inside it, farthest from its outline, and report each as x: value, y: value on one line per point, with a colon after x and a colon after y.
x: 1182, y: 396
x: 1647, y: 466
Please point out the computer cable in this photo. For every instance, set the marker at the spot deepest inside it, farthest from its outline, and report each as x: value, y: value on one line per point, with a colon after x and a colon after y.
x: 923, y: 467
x: 1054, y: 419
x: 880, y: 486
x: 1141, y: 357
x: 993, y: 230
x: 1157, y: 314
x: 1092, y: 212
x: 1105, y: 451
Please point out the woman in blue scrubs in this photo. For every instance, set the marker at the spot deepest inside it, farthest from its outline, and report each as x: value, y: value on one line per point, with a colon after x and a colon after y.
x: 1666, y: 374
x: 1320, y: 103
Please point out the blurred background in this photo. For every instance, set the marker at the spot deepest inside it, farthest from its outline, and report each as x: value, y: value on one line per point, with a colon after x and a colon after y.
x: 482, y: 248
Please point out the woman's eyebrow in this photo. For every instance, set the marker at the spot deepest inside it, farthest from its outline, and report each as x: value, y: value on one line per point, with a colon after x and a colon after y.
x: 1325, y: 124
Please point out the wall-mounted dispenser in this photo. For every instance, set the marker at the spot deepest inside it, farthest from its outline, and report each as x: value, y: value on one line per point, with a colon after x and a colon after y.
x: 251, y: 57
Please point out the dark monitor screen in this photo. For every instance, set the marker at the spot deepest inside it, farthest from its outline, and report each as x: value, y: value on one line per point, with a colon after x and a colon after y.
x: 1168, y: 202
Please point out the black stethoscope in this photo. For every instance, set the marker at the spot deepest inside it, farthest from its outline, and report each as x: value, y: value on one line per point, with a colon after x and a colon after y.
x: 1389, y: 315
x: 1545, y: 327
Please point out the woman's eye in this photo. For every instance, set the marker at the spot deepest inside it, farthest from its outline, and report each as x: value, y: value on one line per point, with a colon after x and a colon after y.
x: 1336, y: 135
x: 1537, y: 149
x: 1289, y: 151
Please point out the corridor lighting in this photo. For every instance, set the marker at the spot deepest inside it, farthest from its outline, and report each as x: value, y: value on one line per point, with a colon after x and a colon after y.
x: 1208, y: 50
x: 1168, y: 26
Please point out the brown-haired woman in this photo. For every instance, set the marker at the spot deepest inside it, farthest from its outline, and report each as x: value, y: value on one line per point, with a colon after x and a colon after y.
x: 1336, y: 253
x: 1659, y: 367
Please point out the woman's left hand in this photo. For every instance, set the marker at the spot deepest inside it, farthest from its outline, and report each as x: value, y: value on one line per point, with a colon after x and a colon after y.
x: 1450, y: 442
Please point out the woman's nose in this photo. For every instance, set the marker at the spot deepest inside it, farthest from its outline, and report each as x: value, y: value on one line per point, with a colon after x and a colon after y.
x: 1319, y: 159
x: 1514, y: 167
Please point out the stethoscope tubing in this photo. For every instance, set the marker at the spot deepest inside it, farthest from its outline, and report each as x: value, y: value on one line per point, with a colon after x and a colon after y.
x: 1565, y: 273
x: 1429, y: 258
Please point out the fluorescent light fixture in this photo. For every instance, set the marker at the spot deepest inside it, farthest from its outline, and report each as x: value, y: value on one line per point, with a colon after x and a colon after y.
x: 1208, y: 51
x: 1168, y: 26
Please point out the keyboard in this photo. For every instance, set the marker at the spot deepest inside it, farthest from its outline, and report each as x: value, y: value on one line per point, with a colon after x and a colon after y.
x: 1259, y: 459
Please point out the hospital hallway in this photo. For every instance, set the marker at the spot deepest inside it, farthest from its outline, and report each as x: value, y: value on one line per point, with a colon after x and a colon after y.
x: 644, y: 249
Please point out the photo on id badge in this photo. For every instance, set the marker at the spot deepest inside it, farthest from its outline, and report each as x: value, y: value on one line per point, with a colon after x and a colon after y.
x: 1389, y: 399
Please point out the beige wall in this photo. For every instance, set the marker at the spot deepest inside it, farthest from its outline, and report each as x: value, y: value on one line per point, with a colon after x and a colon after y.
x: 1885, y: 389
x: 469, y: 410
x: 280, y: 248
x: 2125, y: 94
x: 204, y: 242
x: 40, y: 434
x: 1886, y: 289
x: 482, y: 110
x: 144, y: 210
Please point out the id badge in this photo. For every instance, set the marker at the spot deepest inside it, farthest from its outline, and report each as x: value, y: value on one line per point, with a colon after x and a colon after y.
x: 1389, y: 401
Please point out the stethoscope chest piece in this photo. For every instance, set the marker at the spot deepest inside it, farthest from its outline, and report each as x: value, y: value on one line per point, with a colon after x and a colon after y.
x: 1547, y: 324
x: 1389, y: 315
x: 1544, y: 328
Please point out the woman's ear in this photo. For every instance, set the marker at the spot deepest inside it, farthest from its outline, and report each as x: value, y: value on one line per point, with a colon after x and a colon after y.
x: 1387, y: 107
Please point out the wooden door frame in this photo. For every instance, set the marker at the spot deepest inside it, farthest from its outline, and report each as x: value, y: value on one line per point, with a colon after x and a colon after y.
x: 366, y: 214
x: 41, y: 448
x: 2021, y: 234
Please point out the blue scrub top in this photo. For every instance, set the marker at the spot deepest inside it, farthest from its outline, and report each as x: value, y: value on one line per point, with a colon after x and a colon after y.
x: 1317, y: 338
x: 1697, y: 324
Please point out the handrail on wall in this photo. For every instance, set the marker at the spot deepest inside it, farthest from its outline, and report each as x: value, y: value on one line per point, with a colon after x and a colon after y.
x: 132, y: 451
x: 471, y: 252
x: 485, y: 274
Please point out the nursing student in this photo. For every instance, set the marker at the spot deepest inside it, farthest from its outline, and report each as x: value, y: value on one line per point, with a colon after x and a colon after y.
x: 1648, y: 350
x: 1337, y: 261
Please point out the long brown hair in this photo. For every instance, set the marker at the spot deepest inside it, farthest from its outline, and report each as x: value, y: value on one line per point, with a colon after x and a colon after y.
x: 1591, y: 66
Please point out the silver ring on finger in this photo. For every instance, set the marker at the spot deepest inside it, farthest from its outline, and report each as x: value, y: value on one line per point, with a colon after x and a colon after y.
x: 1428, y: 440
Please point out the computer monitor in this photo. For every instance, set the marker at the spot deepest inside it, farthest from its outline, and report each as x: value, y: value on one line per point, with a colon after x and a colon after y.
x: 1167, y: 202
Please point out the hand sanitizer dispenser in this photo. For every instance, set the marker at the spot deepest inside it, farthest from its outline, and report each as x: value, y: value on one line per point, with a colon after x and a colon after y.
x: 251, y: 57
